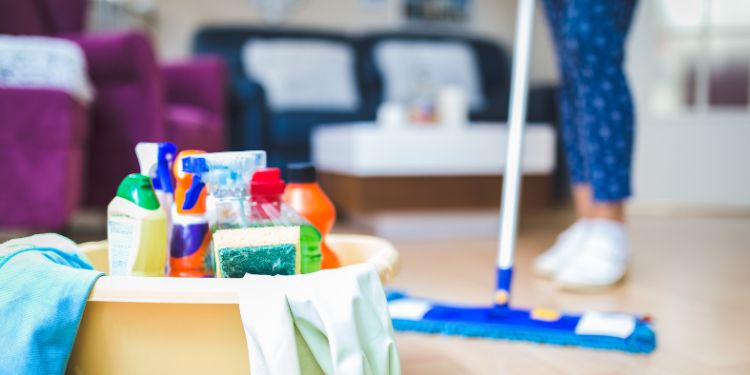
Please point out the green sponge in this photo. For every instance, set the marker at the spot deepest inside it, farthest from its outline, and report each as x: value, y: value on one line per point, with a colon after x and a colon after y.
x: 249, y: 240
x: 259, y: 260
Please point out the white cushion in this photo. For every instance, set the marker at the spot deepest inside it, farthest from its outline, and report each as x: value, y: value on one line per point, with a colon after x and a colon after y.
x: 303, y: 74
x: 41, y: 62
x: 405, y: 65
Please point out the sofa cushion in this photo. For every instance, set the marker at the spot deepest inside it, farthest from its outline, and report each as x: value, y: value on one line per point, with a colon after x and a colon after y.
x: 294, y: 128
x: 405, y: 65
x: 303, y: 74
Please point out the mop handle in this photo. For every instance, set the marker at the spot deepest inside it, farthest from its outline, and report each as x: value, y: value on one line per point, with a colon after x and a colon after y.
x: 512, y: 176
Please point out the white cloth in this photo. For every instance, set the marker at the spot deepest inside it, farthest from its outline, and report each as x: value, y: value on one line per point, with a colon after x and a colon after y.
x: 327, y: 322
x: 303, y: 74
x: 406, y: 65
x: 41, y: 62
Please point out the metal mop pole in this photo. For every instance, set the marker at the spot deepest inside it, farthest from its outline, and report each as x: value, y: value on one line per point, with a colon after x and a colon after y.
x: 512, y: 176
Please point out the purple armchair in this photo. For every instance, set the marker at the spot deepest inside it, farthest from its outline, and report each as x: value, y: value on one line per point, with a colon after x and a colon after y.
x: 135, y: 98
x: 43, y: 132
x: 42, y: 145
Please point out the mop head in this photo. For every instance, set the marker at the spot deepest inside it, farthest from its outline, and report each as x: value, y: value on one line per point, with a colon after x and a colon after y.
x: 597, y: 330
x: 257, y: 250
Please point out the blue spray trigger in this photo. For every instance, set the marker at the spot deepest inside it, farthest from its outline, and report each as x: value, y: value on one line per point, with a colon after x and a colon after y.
x: 193, y: 193
x: 163, y: 178
x: 197, y: 166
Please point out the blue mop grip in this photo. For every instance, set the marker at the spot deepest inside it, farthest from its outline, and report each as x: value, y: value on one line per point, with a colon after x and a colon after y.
x: 502, y: 292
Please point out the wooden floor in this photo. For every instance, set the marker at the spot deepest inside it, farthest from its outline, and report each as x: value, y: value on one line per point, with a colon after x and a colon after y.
x: 691, y: 274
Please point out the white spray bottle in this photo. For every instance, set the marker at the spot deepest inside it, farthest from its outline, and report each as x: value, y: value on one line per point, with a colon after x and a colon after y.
x: 155, y: 160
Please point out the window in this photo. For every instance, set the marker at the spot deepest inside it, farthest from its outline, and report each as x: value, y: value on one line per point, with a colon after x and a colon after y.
x: 703, y: 56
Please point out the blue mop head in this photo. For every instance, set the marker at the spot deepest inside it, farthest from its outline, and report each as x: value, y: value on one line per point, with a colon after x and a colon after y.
x: 607, y: 331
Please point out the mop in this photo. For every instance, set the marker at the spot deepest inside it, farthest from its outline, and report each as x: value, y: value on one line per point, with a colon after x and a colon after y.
x: 598, y: 330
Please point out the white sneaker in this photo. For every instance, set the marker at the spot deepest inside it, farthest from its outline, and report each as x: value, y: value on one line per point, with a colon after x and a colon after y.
x: 601, y: 261
x: 568, y: 244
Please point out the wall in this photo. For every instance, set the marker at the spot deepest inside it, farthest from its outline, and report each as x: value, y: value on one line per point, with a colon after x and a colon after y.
x: 177, y: 20
x: 684, y: 162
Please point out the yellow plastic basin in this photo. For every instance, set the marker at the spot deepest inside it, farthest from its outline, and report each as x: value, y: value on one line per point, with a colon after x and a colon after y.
x: 166, y: 325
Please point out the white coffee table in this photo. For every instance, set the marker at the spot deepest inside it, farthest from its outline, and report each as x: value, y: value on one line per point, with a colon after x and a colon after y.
x: 428, y: 181
x: 364, y: 149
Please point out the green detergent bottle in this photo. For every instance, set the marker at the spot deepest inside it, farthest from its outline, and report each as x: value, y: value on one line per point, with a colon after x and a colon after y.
x: 136, y: 230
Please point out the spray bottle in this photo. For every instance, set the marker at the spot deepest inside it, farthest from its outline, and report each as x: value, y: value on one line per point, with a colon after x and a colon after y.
x: 190, y: 240
x: 136, y: 230
x: 226, y: 177
x: 155, y: 160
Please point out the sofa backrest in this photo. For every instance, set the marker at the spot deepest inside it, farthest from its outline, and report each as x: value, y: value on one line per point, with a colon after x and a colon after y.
x: 42, y: 17
x: 304, y: 75
x: 486, y: 83
x: 66, y: 16
x: 238, y: 44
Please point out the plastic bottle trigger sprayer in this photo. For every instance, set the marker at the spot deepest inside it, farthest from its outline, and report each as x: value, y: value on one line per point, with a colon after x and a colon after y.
x: 155, y: 160
x: 225, y: 178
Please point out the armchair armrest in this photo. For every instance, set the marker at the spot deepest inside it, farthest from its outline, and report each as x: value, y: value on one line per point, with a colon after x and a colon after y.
x: 41, y: 116
x: 43, y: 137
x: 199, y: 82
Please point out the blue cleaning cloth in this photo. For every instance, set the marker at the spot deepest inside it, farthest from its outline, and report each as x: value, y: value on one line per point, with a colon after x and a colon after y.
x: 44, y: 285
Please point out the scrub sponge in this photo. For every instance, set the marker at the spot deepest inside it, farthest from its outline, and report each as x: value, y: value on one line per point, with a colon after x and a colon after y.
x: 257, y: 250
x: 258, y: 260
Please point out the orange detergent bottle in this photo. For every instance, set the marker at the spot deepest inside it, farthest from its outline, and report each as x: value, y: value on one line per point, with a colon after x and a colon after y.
x: 305, y: 196
x: 189, y: 254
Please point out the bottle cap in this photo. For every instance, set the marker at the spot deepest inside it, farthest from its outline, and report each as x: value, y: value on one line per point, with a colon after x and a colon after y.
x: 267, y: 181
x: 300, y: 173
x: 138, y: 189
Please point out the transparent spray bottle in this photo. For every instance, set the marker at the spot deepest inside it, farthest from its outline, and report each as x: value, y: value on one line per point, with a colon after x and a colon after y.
x: 226, y: 177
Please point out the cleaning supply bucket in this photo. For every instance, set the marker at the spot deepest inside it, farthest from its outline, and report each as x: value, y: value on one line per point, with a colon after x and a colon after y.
x: 165, y: 325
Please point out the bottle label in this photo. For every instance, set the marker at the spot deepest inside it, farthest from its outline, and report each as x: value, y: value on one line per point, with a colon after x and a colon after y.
x: 188, y: 239
x: 121, y: 241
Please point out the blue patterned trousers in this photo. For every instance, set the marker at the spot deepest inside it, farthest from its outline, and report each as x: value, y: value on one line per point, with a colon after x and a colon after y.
x: 596, y: 107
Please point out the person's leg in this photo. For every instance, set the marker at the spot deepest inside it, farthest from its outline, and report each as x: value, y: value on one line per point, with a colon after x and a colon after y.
x: 568, y: 242
x: 595, y: 41
x: 586, y: 207
x: 556, y: 12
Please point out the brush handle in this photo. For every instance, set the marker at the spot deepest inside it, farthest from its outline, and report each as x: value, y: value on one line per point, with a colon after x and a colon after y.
x: 512, y: 176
